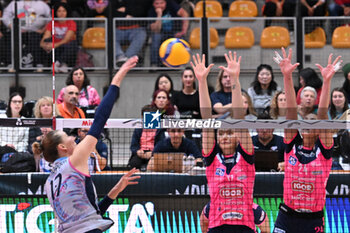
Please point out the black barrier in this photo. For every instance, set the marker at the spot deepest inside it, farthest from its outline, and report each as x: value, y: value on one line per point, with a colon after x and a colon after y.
x: 161, y: 184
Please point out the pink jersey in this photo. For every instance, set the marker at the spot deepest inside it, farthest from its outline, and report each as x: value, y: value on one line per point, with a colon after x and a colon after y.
x: 231, y: 184
x: 306, y: 174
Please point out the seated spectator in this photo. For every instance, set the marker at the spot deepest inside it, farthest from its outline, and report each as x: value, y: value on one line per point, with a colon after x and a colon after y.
x: 129, y: 32
x: 166, y: 83
x: 307, y: 102
x: 186, y: 101
x: 88, y: 98
x: 31, y: 27
x: 97, y: 8
x: 66, y: 45
x: 278, y: 106
x: 262, y: 88
x: 161, y: 102
x: 280, y: 8
x: 339, y: 104
x: 68, y: 108
x: 78, y: 7
x: 338, y: 8
x: 313, y: 8
x: 346, y: 83
x: 15, y: 137
x: 176, y: 142
x: 268, y: 141
x: 163, y: 29
x: 250, y: 113
x: 309, y: 78
x: 98, y: 158
x: 221, y: 98
x: 43, y: 109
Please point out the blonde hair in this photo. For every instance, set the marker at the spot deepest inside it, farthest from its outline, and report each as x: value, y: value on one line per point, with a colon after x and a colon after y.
x: 40, y: 102
x: 250, y: 109
x: 274, y: 110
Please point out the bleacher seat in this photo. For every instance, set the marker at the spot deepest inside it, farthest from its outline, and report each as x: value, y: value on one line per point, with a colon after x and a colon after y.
x: 94, y: 38
x: 239, y: 37
x: 341, y: 37
x: 212, y: 9
x: 243, y: 9
x: 195, y: 38
x: 274, y: 37
x: 315, y: 39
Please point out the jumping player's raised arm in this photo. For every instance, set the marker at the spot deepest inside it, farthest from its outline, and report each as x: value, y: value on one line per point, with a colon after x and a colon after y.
x: 326, y: 136
x: 82, y: 151
x: 233, y: 68
x: 201, y: 72
x: 287, y: 69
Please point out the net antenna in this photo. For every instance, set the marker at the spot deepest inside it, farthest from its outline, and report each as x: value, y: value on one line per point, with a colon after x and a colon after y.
x: 53, y: 70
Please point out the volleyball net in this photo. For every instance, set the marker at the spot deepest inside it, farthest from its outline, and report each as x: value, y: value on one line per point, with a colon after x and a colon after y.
x: 173, y: 188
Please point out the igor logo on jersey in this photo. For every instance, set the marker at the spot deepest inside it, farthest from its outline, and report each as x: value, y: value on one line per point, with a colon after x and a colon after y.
x: 230, y: 192
x: 232, y: 215
x: 292, y: 160
x: 302, y: 187
x: 219, y: 172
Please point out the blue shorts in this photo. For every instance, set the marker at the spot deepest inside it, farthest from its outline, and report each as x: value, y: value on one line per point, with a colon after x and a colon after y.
x: 290, y: 221
x: 230, y: 229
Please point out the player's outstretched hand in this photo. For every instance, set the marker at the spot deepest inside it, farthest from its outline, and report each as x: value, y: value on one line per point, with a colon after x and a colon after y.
x: 200, y: 70
x: 130, y: 63
x: 331, y: 68
x: 285, y: 63
x: 127, y: 179
x: 233, y: 65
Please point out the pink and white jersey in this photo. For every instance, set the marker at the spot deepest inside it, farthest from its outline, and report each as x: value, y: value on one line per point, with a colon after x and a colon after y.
x: 231, y: 182
x: 306, y: 174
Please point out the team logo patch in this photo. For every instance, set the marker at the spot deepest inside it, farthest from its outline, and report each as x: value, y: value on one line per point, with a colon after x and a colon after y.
x: 242, y: 177
x: 292, y: 160
x: 219, y: 172
x: 232, y: 215
x: 316, y: 172
x: 278, y: 230
x: 236, y: 192
x: 302, y: 187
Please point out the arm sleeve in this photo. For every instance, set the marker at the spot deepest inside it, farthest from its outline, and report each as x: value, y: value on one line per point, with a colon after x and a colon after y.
x: 104, y: 204
x: 104, y: 111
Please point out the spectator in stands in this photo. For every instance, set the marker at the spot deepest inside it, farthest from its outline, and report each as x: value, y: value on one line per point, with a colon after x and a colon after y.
x: 176, y: 142
x: 98, y: 158
x: 66, y: 45
x: 346, y: 83
x: 307, y: 104
x: 130, y: 32
x: 31, y: 27
x: 186, y: 101
x: 338, y: 8
x: 161, y: 101
x: 221, y: 98
x: 280, y: 8
x: 278, y: 106
x: 78, y: 7
x: 97, y: 8
x: 68, y: 108
x: 308, y: 77
x: 143, y: 142
x: 313, y: 8
x: 164, y: 82
x: 266, y: 140
x: 88, y: 96
x: 339, y: 104
x: 248, y: 105
x: 15, y: 137
x: 164, y: 29
x: 262, y: 88
x: 43, y: 109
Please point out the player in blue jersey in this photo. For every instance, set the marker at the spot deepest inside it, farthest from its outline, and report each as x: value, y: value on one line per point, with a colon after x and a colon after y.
x: 69, y: 187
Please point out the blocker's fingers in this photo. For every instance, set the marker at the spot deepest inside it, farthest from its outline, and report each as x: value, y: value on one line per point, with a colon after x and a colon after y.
x: 338, y: 66
x: 276, y: 60
x: 336, y: 60
x: 330, y: 58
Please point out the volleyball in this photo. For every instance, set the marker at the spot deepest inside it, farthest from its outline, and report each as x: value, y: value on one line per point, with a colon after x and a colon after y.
x: 174, y: 52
